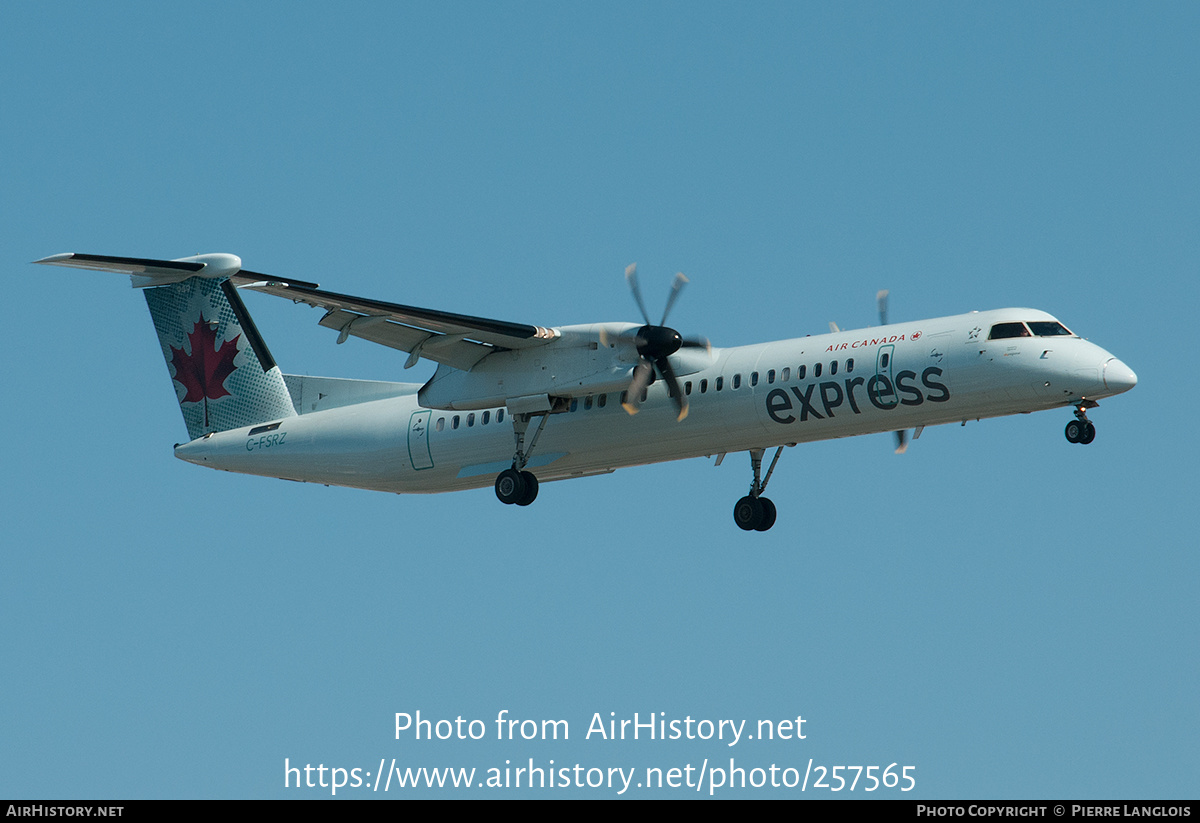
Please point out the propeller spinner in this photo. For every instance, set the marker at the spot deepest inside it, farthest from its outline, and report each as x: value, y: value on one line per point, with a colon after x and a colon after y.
x: 655, y: 345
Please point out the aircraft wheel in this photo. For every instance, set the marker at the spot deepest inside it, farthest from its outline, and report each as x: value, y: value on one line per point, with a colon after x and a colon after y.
x: 768, y: 519
x: 748, y: 513
x: 1089, y: 433
x: 510, y: 486
x: 531, y: 489
x: 1074, y: 431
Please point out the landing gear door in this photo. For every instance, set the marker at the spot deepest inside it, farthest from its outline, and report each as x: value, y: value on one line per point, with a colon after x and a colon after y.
x: 418, y: 440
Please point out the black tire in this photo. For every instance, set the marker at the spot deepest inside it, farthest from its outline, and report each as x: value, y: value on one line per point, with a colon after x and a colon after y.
x: 531, y: 489
x: 1089, y: 433
x: 748, y: 513
x: 1074, y: 431
x: 768, y: 519
x: 510, y: 486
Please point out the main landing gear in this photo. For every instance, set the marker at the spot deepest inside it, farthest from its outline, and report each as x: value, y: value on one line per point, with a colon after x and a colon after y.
x: 1082, y: 430
x: 516, y: 485
x: 755, y: 513
x: 513, y: 486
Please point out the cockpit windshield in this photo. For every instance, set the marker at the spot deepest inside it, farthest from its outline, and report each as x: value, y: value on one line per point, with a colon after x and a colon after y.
x: 1049, y: 328
x: 1040, y: 328
x: 1001, y: 331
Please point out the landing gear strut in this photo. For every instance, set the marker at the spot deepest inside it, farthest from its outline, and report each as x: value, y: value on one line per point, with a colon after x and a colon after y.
x: 516, y: 485
x: 755, y: 512
x: 1081, y: 430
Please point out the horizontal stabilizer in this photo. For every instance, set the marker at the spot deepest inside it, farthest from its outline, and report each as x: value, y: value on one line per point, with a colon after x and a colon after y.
x: 151, y: 272
x: 147, y: 272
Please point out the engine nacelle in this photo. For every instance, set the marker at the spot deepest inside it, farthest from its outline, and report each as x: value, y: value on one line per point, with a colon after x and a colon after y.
x: 584, y: 360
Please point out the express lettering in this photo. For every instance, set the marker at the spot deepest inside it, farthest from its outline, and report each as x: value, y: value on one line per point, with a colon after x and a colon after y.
x: 831, y: 394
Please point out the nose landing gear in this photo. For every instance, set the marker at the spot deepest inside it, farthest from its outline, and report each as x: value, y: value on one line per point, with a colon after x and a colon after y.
x: 754, y: 514
x: 1081, y: 430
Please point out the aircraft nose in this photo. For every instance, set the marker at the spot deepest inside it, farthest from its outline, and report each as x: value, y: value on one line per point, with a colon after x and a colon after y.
x: 1118, y: 377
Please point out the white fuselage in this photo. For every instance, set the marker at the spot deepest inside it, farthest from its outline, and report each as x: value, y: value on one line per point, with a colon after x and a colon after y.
x: 881, y: 379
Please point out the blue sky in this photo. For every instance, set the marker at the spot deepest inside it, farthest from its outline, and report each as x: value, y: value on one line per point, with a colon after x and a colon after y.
x: 1012, y: 615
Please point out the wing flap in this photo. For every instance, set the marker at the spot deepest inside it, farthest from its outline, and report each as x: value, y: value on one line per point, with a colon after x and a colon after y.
x: 452, y: 350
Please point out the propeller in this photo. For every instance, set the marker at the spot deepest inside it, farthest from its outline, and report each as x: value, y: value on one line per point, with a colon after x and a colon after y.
x: 881, y: 300
x: 655, y: 344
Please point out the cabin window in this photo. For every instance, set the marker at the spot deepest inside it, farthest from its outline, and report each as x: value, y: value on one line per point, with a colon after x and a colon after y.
x: 687, y: 387
x: 441, y: 424
x: 850, y: 365
x: 753, y: 378
x: 720, y: 384
x: 704, y: 386
x: 771, y: 376
x: 1003, y: 331
x: 601, y: 402
x: 1048, y: 328
x: 587, y: 402
x: 483, y: 420
x: 800, y: 372
x: 500, y: 416
x: 785, y: 374
x: 883, y: 360
x: 833, y: 367
x: 454, y: 422
x: 737, y: 381
x: 816, y: 370
x: 574, y: 403
x: 470, y: 420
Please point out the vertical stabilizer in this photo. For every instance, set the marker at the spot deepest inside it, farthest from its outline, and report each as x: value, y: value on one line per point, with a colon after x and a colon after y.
x: 224, y: 376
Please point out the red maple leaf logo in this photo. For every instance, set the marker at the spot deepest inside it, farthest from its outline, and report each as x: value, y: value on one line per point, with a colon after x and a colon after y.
x: 202, y: 373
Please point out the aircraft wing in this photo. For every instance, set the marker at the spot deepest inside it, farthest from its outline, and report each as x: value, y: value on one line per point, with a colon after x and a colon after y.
x: 458, y: 340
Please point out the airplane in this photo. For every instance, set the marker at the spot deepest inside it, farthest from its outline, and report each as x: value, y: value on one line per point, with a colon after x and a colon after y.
x: 597, y: 397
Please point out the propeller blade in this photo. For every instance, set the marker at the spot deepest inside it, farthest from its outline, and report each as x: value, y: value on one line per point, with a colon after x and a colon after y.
x: 631, y: 278
x: 902, y: 441
x: 881, y: 300
x: 676, y: 286
x: 655, y: 344
x: 674, y: 389
x: 641, y: 379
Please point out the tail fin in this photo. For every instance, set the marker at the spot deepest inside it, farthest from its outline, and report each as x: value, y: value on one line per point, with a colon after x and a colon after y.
x: 224, y: 375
